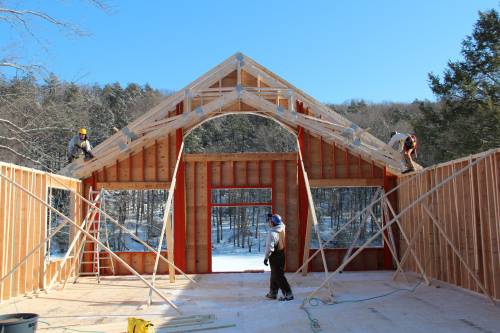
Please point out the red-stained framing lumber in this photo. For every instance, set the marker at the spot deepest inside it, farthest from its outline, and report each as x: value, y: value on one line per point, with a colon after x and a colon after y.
x: 209, y: 216
x: 180, y: 204
x: 273, y: 188
x: 387, y: 253
x: 195, y: 203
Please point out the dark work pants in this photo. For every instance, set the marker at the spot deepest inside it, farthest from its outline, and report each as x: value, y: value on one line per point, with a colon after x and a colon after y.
x: 278, y: 279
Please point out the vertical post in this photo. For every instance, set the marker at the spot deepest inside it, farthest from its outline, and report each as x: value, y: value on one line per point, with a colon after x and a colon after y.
x: 302, y: 195
x: 387, y: 262
x: 209, y: 216
x: 180, y: 204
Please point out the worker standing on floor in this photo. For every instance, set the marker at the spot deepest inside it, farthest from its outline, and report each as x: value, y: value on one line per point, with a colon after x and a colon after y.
x: 275, y: 254
x: 79, y: 144
x: 407, y: 147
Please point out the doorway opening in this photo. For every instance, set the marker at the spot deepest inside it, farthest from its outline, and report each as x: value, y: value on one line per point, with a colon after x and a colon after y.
x: 239, y: 228
x: 238, y: 214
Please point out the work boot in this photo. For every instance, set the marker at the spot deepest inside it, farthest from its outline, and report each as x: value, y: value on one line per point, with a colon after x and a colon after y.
x: 288, y: 297
x: 408, y: 171
x: 271, y: 295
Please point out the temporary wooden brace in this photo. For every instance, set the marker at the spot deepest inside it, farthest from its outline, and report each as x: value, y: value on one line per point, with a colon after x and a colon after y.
x: 90, y: 214
x: 35, y: 249
x: 407, y: 240
x: 127, y: 231
x: 409, y: 245
x: 312, y: 215
x: 418, y: 175
x: 390, y: 243
x: 167, y: 227
x: 390, y: 223
x: 457, y: 253
x: 123, y: 262
x: 384, y: 196
x: 362, y: 224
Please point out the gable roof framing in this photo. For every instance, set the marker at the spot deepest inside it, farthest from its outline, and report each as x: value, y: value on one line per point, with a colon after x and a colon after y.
x: 215, y: 100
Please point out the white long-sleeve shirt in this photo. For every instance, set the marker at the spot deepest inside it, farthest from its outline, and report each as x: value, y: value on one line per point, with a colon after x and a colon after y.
x: 400, y: 138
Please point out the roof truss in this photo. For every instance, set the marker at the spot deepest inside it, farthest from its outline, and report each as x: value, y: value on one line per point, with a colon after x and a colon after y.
x: 208, y: 97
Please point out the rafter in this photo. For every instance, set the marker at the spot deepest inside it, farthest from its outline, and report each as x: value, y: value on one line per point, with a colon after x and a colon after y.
x: 322, y: 121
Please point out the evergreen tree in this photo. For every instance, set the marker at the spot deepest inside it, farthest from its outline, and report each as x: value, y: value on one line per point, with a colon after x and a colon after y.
x: 466, y: 119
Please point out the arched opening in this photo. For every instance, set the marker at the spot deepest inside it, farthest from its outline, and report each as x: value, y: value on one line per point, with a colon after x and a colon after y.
x: 238, y: 209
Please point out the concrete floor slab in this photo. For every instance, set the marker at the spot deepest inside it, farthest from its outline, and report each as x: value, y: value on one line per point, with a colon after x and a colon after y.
x: 239, y: 299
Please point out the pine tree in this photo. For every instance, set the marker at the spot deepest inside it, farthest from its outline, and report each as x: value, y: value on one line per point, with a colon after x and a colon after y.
x: 467, y: 117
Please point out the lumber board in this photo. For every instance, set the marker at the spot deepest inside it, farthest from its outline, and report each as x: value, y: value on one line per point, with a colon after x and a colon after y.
x: 347, y: 182
x: 467, y: 208
x: 22, y: 228
x: 141, y: 185
x: 215, y: 157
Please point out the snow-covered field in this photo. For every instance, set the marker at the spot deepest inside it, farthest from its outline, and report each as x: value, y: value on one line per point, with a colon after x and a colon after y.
x: 238, y: 262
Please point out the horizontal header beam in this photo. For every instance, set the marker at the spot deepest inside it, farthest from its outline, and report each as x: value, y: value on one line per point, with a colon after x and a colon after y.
x: 347, y: 182
x: 133, y: 185
x: 240, y: 157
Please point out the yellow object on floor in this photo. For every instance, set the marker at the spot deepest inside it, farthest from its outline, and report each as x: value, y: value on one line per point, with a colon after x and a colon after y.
x: 138, y: 325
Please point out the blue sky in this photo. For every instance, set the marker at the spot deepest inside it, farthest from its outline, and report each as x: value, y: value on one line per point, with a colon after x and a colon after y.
x: 334, y: 50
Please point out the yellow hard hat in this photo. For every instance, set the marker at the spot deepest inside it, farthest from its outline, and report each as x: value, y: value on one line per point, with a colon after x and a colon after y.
x: 83, y: 131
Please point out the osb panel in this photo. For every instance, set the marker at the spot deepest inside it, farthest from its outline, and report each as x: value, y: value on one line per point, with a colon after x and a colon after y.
x: 292, y: 216
x: 324, y: 160
x: 248, y: 80
x: 283, y: 103
x: 202, y: 222
x: 370, y: 259
x: 230, y: 80
x: 154, y: 163
x: 253, y: 173
x: 265, y: 169
x: 191, y: 189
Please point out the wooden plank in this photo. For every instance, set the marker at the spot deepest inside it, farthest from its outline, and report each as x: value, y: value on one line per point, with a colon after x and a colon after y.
x: 496, y: 227
x: 292, y: 218
x: 4, y: 200
x: 190, y: 216
x: 23, y: 233
x: 202, y: 231
x: 346, y: 182
x: 483, y: 223
x: 136, y: 185
x: 240, y: 157
x: 494, y: 263
x: 466, y: 209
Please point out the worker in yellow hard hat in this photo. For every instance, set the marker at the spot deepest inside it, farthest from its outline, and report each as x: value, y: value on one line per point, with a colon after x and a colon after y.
x: 78, y: 145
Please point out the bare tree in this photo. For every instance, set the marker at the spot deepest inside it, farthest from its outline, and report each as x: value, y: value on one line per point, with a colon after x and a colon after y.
x: 22, y: 20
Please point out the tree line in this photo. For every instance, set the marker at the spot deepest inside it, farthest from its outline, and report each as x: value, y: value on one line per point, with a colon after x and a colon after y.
x: 38, y: 118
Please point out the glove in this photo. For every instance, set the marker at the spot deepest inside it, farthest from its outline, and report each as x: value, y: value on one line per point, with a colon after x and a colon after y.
x: 265, y: 262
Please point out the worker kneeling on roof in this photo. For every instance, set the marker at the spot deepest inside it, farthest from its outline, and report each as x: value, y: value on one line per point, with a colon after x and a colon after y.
x: 275, y: 254
x: 407, y: 147
x: 78, y: 145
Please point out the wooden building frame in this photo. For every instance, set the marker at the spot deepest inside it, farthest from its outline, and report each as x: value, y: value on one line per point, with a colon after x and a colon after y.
x: 442, y: 222
x: 335, y: 153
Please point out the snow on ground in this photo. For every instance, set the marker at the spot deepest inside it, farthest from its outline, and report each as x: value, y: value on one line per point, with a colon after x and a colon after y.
x: 238, y: 262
